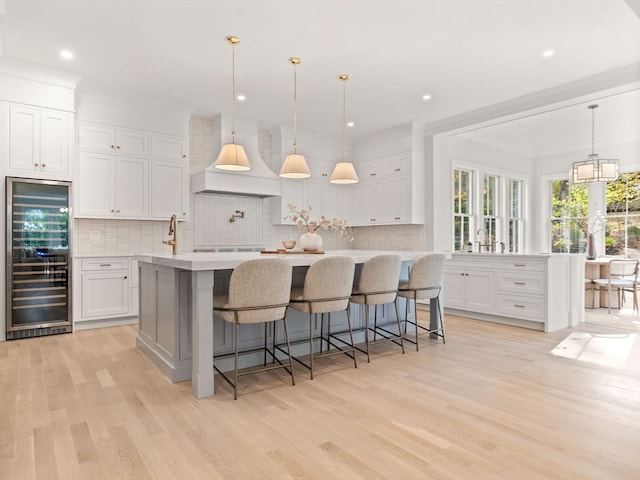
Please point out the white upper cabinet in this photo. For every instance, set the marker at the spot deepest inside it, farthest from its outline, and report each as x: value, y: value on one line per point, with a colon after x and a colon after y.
x: 391, y: 170
x: 131, y: 174
x: 169, y: 189
x: 40, y: 141
x: 112, y: 186
x: 169, y: 148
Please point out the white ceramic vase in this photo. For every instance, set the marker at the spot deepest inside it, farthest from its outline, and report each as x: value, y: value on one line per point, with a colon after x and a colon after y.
x: 310, y: 241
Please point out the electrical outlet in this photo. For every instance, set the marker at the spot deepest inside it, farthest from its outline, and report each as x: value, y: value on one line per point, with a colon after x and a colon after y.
x: 95, y: 235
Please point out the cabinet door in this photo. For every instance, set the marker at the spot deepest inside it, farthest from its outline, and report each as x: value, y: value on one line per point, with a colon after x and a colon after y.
x: 479, y: 291
x: 54, y: 141
x: 131, y: 187
x: 169, y: 148
x: 96, y: 137
x: 105, y: 294
x: 169, y: 189
x: 24, y: 138
x: 398, y: 202
x: 453, y: 294
x: 95, y: 185
x: 131, y: 142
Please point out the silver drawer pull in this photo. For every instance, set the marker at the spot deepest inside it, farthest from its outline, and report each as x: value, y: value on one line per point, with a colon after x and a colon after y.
x: 520, y: 283
x: 519, y: 265
x: 518, y: 306
x: 105, y: 264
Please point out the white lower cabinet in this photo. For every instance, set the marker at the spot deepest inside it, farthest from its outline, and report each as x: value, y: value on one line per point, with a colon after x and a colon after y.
x: 513, y: 289
x: 469, y: 289
x: 106, y: 293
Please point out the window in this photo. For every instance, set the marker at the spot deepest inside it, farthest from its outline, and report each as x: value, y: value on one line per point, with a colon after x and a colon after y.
x: 515, y: 228
x: 569, y: 209
x: 487, y: 207
x: 461, y: 208
x: 570, y: 216
x: 622, y: 223
x: 490, y: 210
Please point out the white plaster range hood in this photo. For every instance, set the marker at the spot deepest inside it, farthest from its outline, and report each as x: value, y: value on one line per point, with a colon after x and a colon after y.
x: 260, y: 181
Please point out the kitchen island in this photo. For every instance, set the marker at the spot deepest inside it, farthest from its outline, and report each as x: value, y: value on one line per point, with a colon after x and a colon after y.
x: 177, y: 329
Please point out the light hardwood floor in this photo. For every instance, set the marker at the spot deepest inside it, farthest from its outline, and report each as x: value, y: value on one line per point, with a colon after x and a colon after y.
x: 493, y: 403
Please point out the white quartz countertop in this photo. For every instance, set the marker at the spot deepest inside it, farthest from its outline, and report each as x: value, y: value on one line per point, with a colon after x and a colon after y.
x: 229, y: 260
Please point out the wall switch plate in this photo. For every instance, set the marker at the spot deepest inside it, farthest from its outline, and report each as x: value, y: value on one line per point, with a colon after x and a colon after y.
x: 95, y: 235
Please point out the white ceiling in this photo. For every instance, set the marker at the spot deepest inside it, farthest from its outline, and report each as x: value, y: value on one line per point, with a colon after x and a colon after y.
x: 467, y: 54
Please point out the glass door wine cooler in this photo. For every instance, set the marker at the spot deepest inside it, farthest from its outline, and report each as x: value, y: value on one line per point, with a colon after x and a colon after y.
x: 38, y: 257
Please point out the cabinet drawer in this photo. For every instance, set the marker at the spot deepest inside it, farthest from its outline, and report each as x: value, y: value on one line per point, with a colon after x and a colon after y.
x: 97, y: 264
x: 520, y: 307
x: 516, y: 282
x: 471, y: 261
x: 522, y: 265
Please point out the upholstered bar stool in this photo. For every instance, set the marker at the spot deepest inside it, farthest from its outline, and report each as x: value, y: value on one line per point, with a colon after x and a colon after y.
x: 425, y: 283
x: 327, y: 289
x: 259, y: 292
x: 378, y: 285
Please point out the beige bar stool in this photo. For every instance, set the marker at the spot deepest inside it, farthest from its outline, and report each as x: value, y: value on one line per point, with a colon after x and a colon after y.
x: 378, y: 285
x: 259, y: 292
x: 327, y: 289
x: 425, y: 283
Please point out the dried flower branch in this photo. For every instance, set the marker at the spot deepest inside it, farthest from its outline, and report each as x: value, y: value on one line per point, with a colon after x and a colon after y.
x: 595, y: 223
x: 305, y: 224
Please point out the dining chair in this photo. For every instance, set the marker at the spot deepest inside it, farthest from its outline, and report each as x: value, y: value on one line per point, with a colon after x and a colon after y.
x: 259, y: 292
x: 425, y: 283
x: 621, y: 274
x: 327, y: 289
x: 378, y: 285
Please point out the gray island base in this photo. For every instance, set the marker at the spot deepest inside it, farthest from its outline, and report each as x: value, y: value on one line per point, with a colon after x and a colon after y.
x: 178, y: 331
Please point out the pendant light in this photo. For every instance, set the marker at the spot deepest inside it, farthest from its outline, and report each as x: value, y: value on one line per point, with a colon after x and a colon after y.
x: 594, y: 168
x: 344, y: 172
x: 232, y: 156
x: 295, y: 166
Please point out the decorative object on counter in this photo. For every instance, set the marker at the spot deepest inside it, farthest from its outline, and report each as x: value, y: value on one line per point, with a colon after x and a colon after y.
x: 594, y: 225
x: 344, y: 171
x: 289, y: 244
x: 591, y: 248
x: 310, y: 241
x: 593, y: 169
x: 173, y: 230
x: 232, y: 156
x: 238, y: 214
x: 295, y: 166
x: 308, y: 226
x: 469, y: 247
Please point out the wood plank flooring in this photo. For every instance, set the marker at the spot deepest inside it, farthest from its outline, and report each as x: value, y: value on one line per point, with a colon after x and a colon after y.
x: 492, y: 403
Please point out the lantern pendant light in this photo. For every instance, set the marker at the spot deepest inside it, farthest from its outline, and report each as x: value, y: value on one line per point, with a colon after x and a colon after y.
x: 344, y: 172
x: 594, y: 168
x: 295, y: 166
x: 232, y: 156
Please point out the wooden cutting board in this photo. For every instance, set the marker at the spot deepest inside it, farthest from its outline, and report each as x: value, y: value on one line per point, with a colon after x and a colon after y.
x: 305, y: 252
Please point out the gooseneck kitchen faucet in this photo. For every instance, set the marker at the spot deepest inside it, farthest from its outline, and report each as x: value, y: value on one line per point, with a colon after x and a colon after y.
x: 173, y: 230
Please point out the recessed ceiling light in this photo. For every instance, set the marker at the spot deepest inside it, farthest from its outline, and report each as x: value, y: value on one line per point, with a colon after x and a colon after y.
x: 66, y: 54
x: 350, y: 124
x: 426, y: 97
x: 548, y: 53
x: 241, y: 98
